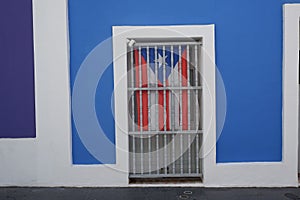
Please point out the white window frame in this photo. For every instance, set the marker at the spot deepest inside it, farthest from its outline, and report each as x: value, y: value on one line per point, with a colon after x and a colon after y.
x: 206, y: 32
x: 290, y: 76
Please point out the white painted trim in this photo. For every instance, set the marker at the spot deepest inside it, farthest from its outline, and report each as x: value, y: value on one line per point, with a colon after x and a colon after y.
x: 54, y: 155
x: 206, y: 32
x: 291, y: 85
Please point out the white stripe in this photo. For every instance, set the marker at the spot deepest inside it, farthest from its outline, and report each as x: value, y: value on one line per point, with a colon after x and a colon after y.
x: 175, y: 83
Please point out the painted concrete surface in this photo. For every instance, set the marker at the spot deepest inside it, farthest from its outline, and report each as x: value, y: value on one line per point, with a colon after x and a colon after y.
x: 147, y: 193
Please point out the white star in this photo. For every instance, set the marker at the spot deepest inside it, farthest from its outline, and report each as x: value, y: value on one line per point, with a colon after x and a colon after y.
x: 161, y: 60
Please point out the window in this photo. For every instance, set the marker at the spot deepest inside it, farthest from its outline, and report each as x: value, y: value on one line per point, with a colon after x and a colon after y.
x: 164, y: 107
x: 165, y: 100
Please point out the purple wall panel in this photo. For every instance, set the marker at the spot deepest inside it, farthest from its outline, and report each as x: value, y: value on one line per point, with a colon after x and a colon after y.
x: 17, y: 110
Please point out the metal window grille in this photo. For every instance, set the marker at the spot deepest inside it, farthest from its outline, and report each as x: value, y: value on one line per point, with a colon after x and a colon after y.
x: 165, y: 100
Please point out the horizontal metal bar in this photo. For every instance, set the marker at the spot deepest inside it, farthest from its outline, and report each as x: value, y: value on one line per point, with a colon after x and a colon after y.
x: 166, y: 88
x: 165, y: 132
x: 193, y: 175
x: 166, y: 43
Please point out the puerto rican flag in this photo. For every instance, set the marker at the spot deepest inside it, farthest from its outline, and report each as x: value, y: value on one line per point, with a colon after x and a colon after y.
x: 161, y: 68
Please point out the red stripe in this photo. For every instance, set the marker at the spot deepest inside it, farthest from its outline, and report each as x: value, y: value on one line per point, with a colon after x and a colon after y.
x: 184, y: 92
x: 168, y: 109
x: 144, y: 93
x: 137, y: 83
x: 161, y: 109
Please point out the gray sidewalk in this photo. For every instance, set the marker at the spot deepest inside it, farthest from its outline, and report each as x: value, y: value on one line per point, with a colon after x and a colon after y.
x: 148, y: 193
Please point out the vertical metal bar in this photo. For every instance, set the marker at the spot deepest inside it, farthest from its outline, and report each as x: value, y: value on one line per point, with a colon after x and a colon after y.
x: 156, y: 109
x: 141, y: 111
x: 196, y: 84
x: 197, y: 153
x: 197, y: 108
x: 189, y: 153
x: 172, y: 84
x: 165, y: 106
x: 149, y: 153
x: 133, y: 110
x: 173, y: 107
x: 156, y: 91
x: 180, y: 111
x: 164, y: 85
x: 189, y: 105
x: 180, y: 85
x: 188, y: 85
x: 132, y: 85
x: 165, y: 151
x: 181, y: 154
x: 149, y: 113
x: 173, y: 153
x: 157, y: 153
x: 148, y: 86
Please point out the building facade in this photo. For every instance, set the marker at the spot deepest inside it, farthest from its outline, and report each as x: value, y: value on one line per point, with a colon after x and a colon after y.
x: 66, y: 81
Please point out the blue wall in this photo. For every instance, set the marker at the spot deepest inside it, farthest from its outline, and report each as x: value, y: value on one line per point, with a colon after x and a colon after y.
x: 248, y: 55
